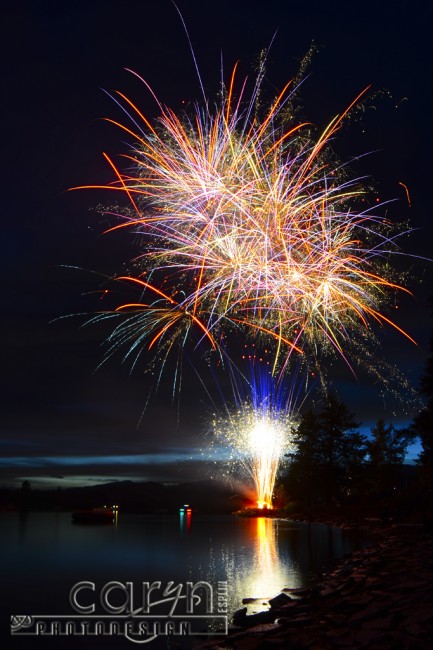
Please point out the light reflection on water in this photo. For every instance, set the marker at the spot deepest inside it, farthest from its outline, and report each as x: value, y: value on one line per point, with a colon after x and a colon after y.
x: 257, y: 556
x: 271, y: 571
x: 257, y: 569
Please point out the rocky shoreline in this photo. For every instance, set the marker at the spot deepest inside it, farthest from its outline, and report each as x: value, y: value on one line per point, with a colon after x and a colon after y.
x: 380, y: 598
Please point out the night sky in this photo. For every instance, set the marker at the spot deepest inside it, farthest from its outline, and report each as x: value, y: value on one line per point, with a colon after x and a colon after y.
x: 60, y: 415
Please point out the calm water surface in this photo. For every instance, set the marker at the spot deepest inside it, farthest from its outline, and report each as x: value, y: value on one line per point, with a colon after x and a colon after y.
x: 42, y: 555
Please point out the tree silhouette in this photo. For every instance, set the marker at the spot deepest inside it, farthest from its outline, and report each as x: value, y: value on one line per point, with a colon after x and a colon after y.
x: 387, y: 450
x: 388, y: 445
x: 343, y: 446
x: 302, y: 477
x: 423, y: 422
x: 330, y: 454
x: 25, y: 497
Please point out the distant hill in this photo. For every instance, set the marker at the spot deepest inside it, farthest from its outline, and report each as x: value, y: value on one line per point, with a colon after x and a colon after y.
x: 142, y: 497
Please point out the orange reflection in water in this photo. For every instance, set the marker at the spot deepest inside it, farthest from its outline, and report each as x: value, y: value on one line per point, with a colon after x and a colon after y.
x: 268, y: 574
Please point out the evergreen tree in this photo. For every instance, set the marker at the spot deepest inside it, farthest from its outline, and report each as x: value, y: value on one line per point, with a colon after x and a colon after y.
x: 329, y: 454
x: 387, y: 450
x: 388, y: 445
x: 302, y: 478
x: 343, y: 448
x: 423, y: 423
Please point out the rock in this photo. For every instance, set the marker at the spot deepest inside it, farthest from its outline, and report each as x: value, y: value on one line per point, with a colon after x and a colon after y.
x: 280, y: 600
x: 250, y: 620
x: 331, y: 589
x: 299, y: 591
x: 263, y: 628
x: 239, y: 614
x: 366, y: 614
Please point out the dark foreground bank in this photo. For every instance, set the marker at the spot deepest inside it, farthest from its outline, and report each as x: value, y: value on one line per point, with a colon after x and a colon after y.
x: 380, y: 597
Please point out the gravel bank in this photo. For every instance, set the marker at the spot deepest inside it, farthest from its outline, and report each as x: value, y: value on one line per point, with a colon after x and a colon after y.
x: 380, y: 597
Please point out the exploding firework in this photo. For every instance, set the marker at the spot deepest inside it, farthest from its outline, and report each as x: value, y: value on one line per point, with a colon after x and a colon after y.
x: 259, y: 431
x: 257, y: 439
x: 247, y: 224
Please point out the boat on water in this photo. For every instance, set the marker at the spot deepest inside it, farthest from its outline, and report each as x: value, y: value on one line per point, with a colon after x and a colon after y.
x: 100, y: 515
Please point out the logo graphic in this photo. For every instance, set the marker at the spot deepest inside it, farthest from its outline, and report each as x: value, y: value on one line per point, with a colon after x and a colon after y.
x: 139, y: 613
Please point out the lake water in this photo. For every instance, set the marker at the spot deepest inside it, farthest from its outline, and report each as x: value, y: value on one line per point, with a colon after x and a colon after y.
x: 42, y: 555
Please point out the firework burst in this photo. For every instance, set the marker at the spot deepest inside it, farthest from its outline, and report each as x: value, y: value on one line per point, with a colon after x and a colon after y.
x: 247, y: 224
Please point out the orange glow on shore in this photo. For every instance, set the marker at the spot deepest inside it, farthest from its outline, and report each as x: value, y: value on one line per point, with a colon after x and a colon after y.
x: 262, y: 505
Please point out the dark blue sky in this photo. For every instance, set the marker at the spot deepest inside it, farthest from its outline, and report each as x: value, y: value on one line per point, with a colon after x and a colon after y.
x: 56, y: 59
